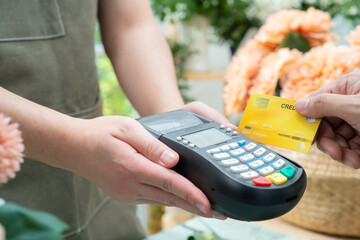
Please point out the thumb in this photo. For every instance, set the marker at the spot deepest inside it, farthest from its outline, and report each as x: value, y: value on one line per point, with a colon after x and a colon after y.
x: 150, y: 147
x: 325, y: 105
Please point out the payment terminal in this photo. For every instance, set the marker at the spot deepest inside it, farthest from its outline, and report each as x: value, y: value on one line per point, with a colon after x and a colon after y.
x: 242, y: 179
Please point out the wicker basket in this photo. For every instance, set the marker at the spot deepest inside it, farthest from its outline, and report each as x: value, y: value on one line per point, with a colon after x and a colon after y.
x: 331, y: 202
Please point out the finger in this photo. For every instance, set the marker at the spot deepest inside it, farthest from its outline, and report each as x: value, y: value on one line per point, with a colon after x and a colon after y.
x: 329, y: 88
x: 172, y: 182
x: 341, y: 141
x: 345, y: 130
x: 154, y: 195
x: 330, y: 147
x: 333, y: 121
x: 339, y: 85
x: 325, y: 130
x: 146, y: 144
x: 357, y: 151
x: 210, y: 113
x: 351, y: 158
x: 354, y: 145
x: 327, y: 105
x: 356, y: 139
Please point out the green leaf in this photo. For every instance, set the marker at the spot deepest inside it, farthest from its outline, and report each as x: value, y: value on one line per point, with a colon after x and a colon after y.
x: 200, y: 235
x: 25, y: 224
x: 296, y: 40
x: 203, y: 236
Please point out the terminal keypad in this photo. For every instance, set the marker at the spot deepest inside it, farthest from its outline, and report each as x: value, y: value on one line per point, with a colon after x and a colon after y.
x: 252, y: 162
x: 249, y: 161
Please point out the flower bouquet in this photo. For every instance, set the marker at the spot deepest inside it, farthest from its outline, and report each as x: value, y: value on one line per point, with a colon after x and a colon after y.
x: 293, y: 54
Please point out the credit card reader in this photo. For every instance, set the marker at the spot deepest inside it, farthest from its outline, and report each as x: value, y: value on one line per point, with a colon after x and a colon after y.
x: 241, y: 178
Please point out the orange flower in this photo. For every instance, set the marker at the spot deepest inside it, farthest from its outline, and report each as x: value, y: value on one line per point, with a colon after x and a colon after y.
x: 11, y: 148
x: 272, y: 68
x: 259, y: 65
x: 313, y: 21
x: 354, y: 37
x: 313, y: 24
x: 277, y: 26
x: 318, y: 67
x: 240, y: 73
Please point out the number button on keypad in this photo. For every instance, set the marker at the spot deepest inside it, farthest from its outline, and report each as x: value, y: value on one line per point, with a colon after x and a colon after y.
x: 247, y: 157
x: 234, y: 145
x: 237, y: 152
x: 239, y: 168
x: 259, y: 152
x: 249, y: 175
x: 279, y: 164
x: 256, y: 164
x: 225, y: 148
x: 229, y: 162
x: 266, y: 170
x: 214, y: 150
x: 221, y: 156
x: 269, y: 157
x: 250, y: 146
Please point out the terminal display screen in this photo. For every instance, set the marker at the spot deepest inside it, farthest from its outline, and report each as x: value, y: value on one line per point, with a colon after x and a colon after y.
x: 207, y: 137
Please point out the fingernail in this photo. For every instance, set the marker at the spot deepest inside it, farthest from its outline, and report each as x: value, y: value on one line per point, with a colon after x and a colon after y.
x: 348, y: 163
x: 301, y: 105
x: 201, y: 207
x: 219, y: 216
x: 167, y: 157
x: 232, y: 126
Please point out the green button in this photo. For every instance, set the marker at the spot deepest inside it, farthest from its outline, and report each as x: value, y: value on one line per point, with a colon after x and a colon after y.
x: 288, y: 171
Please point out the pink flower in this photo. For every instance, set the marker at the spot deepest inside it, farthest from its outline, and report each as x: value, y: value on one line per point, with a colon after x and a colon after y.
x: 11, y: 149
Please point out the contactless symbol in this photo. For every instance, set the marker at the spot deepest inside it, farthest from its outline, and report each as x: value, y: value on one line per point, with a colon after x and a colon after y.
x: 310, y: 120
x: 301, y: 146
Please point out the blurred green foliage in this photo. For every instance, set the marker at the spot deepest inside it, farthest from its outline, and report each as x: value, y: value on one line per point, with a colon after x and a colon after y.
x: 228, y: 18
x: 180, y: 53
x: 115, y: 101
x: 350, y: 9
x: 296, y: 40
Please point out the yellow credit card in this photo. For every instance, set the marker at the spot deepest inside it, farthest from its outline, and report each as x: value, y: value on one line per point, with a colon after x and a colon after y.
x: 274, y: 121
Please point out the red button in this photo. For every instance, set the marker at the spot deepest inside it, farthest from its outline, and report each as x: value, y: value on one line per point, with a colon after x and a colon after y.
x: 261, y: 181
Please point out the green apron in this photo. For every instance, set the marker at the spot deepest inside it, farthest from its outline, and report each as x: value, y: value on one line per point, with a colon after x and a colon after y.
x: 47, y: 56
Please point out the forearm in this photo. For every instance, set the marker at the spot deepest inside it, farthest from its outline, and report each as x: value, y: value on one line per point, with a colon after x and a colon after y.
x: 146, y: 72
x: 46, y: 133
x: 140, y: 55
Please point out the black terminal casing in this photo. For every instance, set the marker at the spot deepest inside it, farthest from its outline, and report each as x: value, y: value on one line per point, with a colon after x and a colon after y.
x: 228, y: 195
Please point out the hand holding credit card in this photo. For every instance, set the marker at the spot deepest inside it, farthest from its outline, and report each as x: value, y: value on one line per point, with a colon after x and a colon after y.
x: 274, y: 121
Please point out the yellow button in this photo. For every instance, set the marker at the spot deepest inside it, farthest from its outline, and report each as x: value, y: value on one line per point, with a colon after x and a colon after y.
x: 277, y: 178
